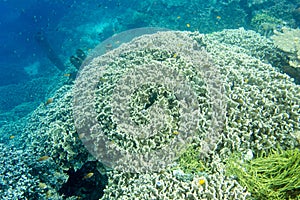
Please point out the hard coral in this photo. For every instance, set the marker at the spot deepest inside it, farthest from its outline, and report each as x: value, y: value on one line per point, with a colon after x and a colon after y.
x: 288, y: 40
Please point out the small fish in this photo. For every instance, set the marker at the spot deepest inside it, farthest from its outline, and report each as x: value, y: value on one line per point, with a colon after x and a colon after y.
x: 218, y: 17
x: 89, y: 175
x: 11, y: 137
x: 81, y: 135
x: 201, y: 181
x: 42, y: 185
x: 109, y: 46
x: 67, y: 75
x: 188, y: 25
x: 48, y: 194
x: 102, y: 79
x: 178, y: 17
x: 50, y: 100
x: 175, y: 132
x: 43, y: 158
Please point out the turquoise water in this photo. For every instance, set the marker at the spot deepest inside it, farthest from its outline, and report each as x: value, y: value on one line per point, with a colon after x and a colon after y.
x: 251, y: 47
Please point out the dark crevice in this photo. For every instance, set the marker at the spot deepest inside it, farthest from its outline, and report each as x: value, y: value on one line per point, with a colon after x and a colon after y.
x: 86, y: 183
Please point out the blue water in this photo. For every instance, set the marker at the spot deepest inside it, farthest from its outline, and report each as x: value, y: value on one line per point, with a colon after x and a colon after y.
x: 24, y: 57
x: 20, y: 22
x: 39, y: 37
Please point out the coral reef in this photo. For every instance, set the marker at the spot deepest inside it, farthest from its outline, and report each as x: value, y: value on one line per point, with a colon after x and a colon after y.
x: 144, y: 97
x: 16, y: 180
x: 256, y: 2
x: 45, y: 146
x: 18, y: 100
x: 252, y: 91
x: 262, y: 111
x: 261, y: 104
x: 167, y: 185
x: 280, y: 10
x: 288, y: 40
x: 146, y: 14
x: 250, y: 43
x: 265, y: 24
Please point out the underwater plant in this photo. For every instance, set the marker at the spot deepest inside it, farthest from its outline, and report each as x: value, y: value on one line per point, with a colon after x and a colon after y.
x: 190, y: 160
x: 273, y: 176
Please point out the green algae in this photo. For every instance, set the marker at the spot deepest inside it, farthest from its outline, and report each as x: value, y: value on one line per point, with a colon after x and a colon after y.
x: 273, y: 176
x: 190, y: 161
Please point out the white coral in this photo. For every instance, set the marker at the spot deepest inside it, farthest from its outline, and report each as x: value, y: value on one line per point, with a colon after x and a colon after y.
x: 289, y: 41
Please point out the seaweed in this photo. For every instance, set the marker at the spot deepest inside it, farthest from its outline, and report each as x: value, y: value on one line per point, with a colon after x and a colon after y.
x: 273, y: 175
x: 190, y: 160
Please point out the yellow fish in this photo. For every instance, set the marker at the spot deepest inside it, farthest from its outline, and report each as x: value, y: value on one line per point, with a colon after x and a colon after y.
x: 42, y: 185
x: 201, y: 181
x: 175, y: 132
x: 89, y: 175
x: 67, y: 75
x: 43, y: 158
